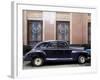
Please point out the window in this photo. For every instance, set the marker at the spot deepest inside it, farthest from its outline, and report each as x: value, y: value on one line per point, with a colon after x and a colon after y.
x: 34, y: 32
x: 62, y: 45
x: 43, y: 45
x: 62, y: 30
x: 53, y: 45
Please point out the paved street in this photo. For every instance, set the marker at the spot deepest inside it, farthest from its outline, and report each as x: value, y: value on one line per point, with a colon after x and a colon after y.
x: 27, y: 65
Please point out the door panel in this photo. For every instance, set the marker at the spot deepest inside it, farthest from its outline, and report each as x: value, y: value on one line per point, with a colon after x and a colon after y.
x: 58, y: 50
x: 63, y: 50
x: 58, y: 53
x: 51, y: 53
x: 68, y: 53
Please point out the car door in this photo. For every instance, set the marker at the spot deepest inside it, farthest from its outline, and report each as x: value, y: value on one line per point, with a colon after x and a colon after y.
x: 63, y: 50
x: 51, y: 50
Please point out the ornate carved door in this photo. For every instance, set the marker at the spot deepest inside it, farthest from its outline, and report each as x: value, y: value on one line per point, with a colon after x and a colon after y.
x: 34, y: 32
x: 62, y: 30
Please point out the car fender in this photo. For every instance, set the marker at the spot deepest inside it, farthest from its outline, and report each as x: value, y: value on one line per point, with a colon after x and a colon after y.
x: 34, y: 53
x: 76, y: 54
x: 39, y: 52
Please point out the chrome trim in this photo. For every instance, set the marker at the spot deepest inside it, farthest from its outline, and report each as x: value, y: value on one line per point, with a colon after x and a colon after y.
x: 59, y: 58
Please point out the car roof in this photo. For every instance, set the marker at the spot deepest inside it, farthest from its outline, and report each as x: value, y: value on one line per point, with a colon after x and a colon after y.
x: 49, y: 41
x: 54, y: 41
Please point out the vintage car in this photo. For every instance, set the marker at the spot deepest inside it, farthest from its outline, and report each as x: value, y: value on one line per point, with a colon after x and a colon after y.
x: 54, y: 51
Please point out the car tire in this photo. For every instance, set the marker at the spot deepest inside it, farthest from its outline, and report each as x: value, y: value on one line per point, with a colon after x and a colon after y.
x: 38, y: 61
x: 81, y: 59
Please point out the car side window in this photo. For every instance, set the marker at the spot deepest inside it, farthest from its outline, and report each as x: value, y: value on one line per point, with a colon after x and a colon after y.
x: 62, y: 45
x: 43, y: 46
x: 52, y: 45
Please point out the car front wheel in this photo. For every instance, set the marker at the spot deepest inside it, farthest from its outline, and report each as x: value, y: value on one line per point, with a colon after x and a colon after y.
x: 81, y: 59
x: 38, y: 61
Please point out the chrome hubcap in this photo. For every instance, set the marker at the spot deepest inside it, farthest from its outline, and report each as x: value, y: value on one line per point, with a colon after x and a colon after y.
x: 82, y: 59
x: 38, y: 61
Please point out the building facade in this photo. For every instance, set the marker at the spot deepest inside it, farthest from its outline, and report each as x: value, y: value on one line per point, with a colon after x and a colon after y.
x: 74, y: 28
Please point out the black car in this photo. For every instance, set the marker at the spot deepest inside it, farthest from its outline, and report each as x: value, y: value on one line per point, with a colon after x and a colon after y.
x: 54, y: 51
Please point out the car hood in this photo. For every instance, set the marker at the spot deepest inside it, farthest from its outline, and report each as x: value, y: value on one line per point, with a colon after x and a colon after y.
x: 77, y: 48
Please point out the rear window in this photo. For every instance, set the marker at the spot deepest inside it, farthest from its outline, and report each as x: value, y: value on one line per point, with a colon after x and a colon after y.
x: 62, y: 45
x: 52, y: 45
